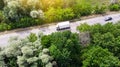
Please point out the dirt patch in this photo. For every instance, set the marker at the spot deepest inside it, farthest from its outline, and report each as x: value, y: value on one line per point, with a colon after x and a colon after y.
x: 84, y: 38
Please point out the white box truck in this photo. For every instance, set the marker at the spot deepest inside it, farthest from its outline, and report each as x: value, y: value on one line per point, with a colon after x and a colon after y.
x: 63, y: 25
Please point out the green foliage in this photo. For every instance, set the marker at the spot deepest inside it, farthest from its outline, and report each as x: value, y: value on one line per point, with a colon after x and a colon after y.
x: 59, y: 14
x: 64, y: 47
x: 22, y: 23
x: 83, y: 27
x: 4, y: 26
x: 1, y: 4
x: 104, y: 40
x: 99, y: 9
x: 26, y: 22
x: 62, y: 56
x: 27, y: 13
x: 114, y: 7
x: 108, y: 27
x: 97, y: 28
x: 46, y: 41
x: 82, y: 9
x: 1, y: 16
x: 32, y: 37
x: 23, y: 53
x: 99, y: 57
x: 106, y: 36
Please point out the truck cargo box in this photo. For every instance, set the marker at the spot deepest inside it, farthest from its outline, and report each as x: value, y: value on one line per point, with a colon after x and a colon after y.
x: 63, y: 25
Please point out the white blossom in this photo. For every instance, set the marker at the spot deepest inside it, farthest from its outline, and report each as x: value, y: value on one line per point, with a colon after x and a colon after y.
x: 45, y: 58
x: 20, y: 60
x: 13, y: 38
x: 34, y: 14
x: 32, y: 3
x: 49, y: 65
x: 13, y: 4
x: 41, y: 14
x: 37, y: 14
x: 45, y: 51
x: 31, y: 60
x: 26, y: 50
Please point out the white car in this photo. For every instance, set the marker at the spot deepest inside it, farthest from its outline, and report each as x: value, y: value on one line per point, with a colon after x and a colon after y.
x: 63, y: 25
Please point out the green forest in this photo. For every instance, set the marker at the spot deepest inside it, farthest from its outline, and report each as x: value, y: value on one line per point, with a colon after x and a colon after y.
x: 26, y: 13
x: 96, y: 46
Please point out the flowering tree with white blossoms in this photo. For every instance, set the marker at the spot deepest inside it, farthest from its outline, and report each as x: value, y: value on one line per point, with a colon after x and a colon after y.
x: 37, y: 14
x: 23, y: 53
x: 11, y: 10
x: 113, y: 1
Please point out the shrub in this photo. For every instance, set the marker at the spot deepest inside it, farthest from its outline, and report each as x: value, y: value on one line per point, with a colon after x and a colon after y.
x: 82, y: 9
x: 32, y: 37
x: 99, y: 57
x: 26, y: 22
x: 23, y: 53
x: 114, y: 7
x: 99, y: 9
x: 67, y: 14
x: 83, y: 27
x: 59, y: 14
x: 64, y: 47
x: 1, y: 4
x: 37, y: 14
x: 11, y: 11
x: 1, y: 16
x: 4, y: 26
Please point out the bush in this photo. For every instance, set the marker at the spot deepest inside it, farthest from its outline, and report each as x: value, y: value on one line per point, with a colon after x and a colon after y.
x: 4, y: 26
x: 1, y: 4
x: 99, y: 10
x: 23, y: 53
x: 82, y: 9
x: 106, y: 36
x: 1, y: 16
x: 99, y: 57
x: 59, y: 14
x: 114, y: 7
x: 64, y: 47
x: 24, y: 22
x: 83, y: 27
x: 32, y: 37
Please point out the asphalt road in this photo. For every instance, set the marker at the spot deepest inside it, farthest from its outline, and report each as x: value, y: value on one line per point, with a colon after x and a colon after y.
x: 50, y: 29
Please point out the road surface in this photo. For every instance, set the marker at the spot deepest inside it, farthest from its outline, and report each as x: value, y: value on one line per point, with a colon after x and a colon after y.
x: 50, y: 29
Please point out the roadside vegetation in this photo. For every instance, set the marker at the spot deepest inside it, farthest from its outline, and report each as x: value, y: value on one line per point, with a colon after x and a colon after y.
x: 96, y: 46
x: 24, y: 13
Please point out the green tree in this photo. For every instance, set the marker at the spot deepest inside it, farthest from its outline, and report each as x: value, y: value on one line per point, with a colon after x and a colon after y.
x: 64, y: 47
x: 59, y: 14
x: 82, y: 9
x: 62, y: 56
x: 23, y: 53
x: 99, y: 9
x: 114, y: 7
x: 1, y: 4
x: 83, y: 27
x: 99, y: 57
x: 32, y: 37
